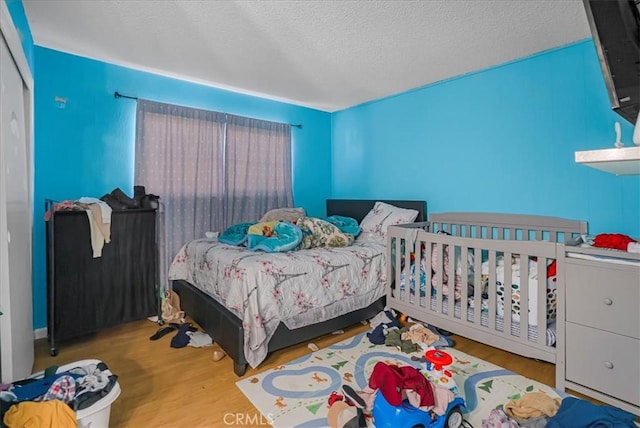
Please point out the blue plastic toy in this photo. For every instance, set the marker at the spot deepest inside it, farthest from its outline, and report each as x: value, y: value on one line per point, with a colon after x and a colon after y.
x: 405, y: 415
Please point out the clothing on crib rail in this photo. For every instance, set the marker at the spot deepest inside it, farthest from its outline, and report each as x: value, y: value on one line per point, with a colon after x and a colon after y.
x: 616, y: 241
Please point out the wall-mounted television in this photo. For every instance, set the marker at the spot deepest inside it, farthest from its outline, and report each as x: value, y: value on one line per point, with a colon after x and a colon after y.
x: 615, y: 26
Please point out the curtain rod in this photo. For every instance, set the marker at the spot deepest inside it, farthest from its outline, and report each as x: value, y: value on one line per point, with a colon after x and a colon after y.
x: 117, y: 94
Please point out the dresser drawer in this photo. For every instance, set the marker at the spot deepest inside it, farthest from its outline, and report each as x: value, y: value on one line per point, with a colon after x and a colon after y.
x: 603, y: 361
x: 603, y: 295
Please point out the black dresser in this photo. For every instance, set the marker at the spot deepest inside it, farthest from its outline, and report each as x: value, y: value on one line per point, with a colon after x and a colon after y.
x: 86, y: 294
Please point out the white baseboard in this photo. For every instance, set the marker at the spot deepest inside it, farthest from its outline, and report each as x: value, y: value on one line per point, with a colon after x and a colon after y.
x: 40, y: 333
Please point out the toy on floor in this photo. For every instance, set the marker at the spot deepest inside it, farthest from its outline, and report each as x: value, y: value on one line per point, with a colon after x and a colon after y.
x: 436, y: 360
x: 406, y: 415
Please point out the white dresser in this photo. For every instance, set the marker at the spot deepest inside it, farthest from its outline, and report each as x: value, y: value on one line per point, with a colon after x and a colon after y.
x: 598, y: 351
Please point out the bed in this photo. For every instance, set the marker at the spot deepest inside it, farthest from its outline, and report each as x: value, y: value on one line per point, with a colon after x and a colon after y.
x: 452, y: 271
x: 247, y: 332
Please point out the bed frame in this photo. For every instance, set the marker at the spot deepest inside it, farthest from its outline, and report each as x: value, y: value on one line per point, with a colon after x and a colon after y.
x: 226, y: 329
x: 490, y: 235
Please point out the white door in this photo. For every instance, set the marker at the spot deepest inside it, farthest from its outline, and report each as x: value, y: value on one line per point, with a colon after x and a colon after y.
x: 16, y: 321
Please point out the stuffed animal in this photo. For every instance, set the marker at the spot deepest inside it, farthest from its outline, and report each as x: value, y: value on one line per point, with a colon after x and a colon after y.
x: 171, y: 311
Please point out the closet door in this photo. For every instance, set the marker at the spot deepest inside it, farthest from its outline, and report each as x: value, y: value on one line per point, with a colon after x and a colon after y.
x: 16, y: 322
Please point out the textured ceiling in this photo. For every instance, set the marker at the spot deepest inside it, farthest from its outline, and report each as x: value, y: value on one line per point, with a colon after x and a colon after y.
x: 327, y: 55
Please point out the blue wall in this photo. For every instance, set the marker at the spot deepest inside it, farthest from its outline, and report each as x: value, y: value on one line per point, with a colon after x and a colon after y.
x: 16, y: 10
x: 86, y: 148
x: 500, y: 140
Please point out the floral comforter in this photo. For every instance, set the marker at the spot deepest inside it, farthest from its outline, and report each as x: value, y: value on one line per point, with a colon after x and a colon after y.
x: 298, y: 288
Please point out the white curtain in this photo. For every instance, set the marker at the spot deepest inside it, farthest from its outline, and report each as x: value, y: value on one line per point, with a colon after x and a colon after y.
x: 210, y: 170
x: 258, y: 164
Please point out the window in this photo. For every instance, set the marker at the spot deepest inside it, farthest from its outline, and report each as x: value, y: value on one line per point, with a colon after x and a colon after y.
x: 210, y: 169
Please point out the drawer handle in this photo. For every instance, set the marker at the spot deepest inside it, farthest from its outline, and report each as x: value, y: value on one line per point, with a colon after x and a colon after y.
x: 608, y: 301
x: 608, y: 364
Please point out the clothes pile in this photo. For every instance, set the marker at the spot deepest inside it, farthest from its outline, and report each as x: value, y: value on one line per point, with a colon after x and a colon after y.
x: 120, y: 201
x: 99, y: 215
x: 538, y: 410
x: 581, y: 413
x: 53, y: 399
x: 397, y: 384
x: 99, y: 212
x: 185, y: 333
x: 387, y: 330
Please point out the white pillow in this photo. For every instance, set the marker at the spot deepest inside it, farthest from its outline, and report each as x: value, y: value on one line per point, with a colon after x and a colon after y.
x: 384, y: 215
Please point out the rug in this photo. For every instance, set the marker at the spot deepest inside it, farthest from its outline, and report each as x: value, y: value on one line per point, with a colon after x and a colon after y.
x: 295, y: 394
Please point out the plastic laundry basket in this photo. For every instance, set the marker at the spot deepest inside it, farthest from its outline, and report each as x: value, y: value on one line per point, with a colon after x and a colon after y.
x: 97, y: 415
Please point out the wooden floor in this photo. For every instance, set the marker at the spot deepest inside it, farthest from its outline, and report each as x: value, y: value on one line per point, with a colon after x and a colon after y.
x: 168, y: 387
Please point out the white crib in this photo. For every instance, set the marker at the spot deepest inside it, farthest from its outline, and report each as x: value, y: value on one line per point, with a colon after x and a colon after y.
x: 459, y: 262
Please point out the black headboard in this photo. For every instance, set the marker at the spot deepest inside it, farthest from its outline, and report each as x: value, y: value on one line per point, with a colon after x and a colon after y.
x: 359, y: 208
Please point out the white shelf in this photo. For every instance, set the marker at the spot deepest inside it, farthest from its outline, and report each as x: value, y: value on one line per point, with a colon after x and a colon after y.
x: 622, y: 161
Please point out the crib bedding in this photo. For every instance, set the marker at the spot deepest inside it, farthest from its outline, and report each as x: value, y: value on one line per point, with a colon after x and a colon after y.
x: 499, y: 283
x: 264, y: 289
x: 532, y: 329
